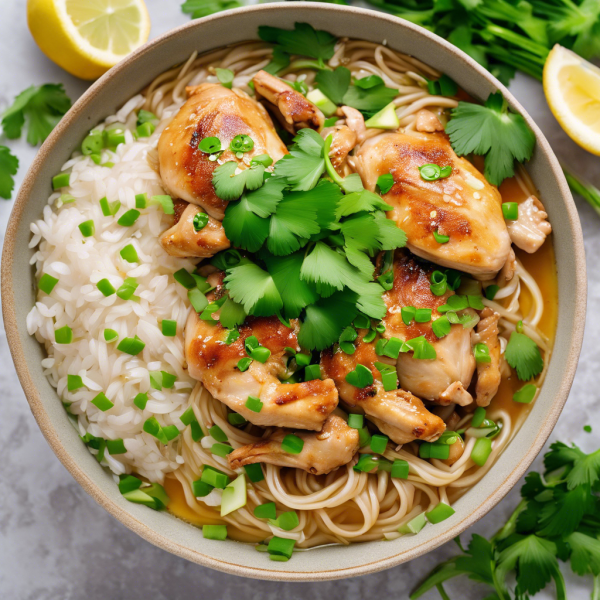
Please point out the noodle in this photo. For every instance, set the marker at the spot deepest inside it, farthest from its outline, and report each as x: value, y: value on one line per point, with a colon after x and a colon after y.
x: 344, y: 505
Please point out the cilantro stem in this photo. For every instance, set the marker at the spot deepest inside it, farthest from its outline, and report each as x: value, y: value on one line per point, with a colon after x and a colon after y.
x: 587, y: 191
x: 510, y: 526
x: 596, y: 590
x: 328, y: 166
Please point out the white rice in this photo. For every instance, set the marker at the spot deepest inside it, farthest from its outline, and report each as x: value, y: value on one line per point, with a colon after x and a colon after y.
x: 79, y: 263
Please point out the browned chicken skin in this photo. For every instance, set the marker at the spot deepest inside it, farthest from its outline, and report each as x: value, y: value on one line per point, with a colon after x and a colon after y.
x: 342, y: 143
x: 183, y: 240
x: 212, y: 111
x: 397, y: 413
x: 446, y: 378
x: 463, y: 206
x: 488, y: 374
x: 293, y: 109
x: 299, y: 405
x: 335, y: 445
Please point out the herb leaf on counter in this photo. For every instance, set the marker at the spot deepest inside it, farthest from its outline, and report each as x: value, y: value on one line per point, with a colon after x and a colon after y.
x: 41, y: 107
x: 8, y: 167
x: 202, y: 8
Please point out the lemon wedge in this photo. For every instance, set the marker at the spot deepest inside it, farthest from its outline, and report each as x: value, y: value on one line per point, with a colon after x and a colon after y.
x: 572, y: 88
x: 88, y: 37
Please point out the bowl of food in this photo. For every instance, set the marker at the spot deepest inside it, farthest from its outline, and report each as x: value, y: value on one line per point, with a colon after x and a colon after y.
x: 279, y: 282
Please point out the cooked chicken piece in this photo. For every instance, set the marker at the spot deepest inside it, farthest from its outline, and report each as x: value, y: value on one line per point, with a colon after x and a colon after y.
x: 343, y: 142
x: 293, y: 109
x: 530, y: 229
x: 427, y: 122
x: 212, y: 111
x: 299, y: 405
x: 354, y: 120
x: 183, y: 240
x: 488, y: 374
x: 446, y: 378
x: 456, y: 451
x: 508, y: 270
x: 463, y: 206
x: 335, y: 445
x: 398, y: 414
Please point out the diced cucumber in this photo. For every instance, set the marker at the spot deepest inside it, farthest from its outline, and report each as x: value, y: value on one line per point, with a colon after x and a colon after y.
x: 386, y: 118
x: 318, y: 98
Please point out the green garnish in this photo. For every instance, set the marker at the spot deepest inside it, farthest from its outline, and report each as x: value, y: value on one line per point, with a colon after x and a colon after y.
x: 129, y: 254
x: 360, y: 377
x: 214, y: 532
x: 482, y: 353
x: 131, y: 346
x: 128, y: 218
x: 526, y: 394
x: 433, y: 172
x: 266, y: 511
x: 400, y: 469
x: 254, y: 472
x: 9, y: 164
x: 494, y: 132
x: 440, y: 238
x: 140, y: 401
x: 102, y: 402
x: 110, y: 335
x: 385, y: 183
x: 379, y: 443
x: 165, y: 202
x: 510, y: 211
x: 126, y: 290
x: 229, y: 186
x: 74, y: 382
x: 202, y: 8
x: 523, y: 355
x: 225, y: 77
x: 292, y: 444
x: 444, y: 86
x: 440, y: 513
x: 169, y: 327
x: 87, y: 228
x: 200, y: 221
x: 481, y: 451
x: 109, y: 209
x: 355, y: 421
x: 63, y: 335
x: 334, y: 84
x: 47, y: 283
x: 105, y: 286
x: 241, y: 143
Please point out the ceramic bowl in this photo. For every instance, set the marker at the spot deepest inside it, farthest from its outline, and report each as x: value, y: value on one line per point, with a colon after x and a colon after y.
x: 111, y: 92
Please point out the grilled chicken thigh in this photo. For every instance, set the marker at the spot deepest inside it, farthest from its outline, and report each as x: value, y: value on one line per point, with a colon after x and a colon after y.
x: 292, y: 108
x: 335, y: 445
x: 488, y: 374
x: 398, y: 414
x: 446, y: 378
x: 463, y: 206
x: 298, y: 405
x: 212, y: 111
x: 183, y: 240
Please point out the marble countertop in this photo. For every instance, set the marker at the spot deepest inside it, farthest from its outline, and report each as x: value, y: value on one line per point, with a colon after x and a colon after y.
x: 56, y: 543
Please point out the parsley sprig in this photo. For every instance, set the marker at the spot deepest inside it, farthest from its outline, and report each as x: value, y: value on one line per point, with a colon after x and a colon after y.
x: 310, y: 238
x: 557, y: 519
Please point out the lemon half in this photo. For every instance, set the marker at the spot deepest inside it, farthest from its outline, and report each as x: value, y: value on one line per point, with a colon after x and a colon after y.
x: 88, y: 37
x: 572, y: 88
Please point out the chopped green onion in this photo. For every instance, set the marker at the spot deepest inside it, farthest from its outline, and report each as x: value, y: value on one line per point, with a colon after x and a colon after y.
x: 129, y: 218
x: 232, y: 336
x: 128, y: 483
x: 262, y: 159
x: 169, y: 327
x: 481, y: 450
x: 244, y: 363
x: 141, y: 400
x: 102, y: 402
x: 389, y: 376
x: 414, y: 525
x: 235, y: 419
x: 519, y: 327
x: 145, y: 116
x: 225, y: 77
x: 214, y: 532
x: 361, y: 377
x: 197, y: 300
x: 234, y: 496
x: 408, y: 314
x: 166, y: 203
x: 430, y: 172
x: 97, y: 158
x: 254, y: 472
x: 161, y: 379
x: 385, y: 183
x: 196, y: 429
x: 364, y: 437
x: 217, y: 433
x: 362, y: 322
x: 63, y: 335
x: 145, y: 130
x: 312, y: 372
x: 131, y: 346
x: 185, y: 279
x: 386, y: 280
x: 188, y: 416
x: 478, y: 417
x: 510, y: 210
x: 241, y: 143
x: 47, y: 283
x: 114, y: 137
x: 439, y: 283
x: 141, y: 201
x: 201, y: 489
x: 440, y: 238
x: 214, y: 477
x: 287, y: 520
x: 441, y: 327
x: 260, y: 354
x: 281, y: 547
x: 221, y: 450
x: 366, y: 463
x: 92, y: 143
x: 115, y: 446
x: 125, y: 292
x: 129, y: 254
x: 210, y: 145
x: 200, y: 221
x: 355, y: 421
x: 61, y: 180
x: 87, y: 228
x: 422, y: 315
x: 440, y: 513
x: 109, y: 209
x: 400, y: 469
x: 292, y: 444
x: 491, y: 291
x: 392, y: 348
x: 482, y: 353
x: 302, y: 360
x: 105, y: 287
x: 266, y: 511
x: 526, y: 394
x: 379, y: 443
x: 437, y: 450
x: 74, y: 382
x: 330, y: 122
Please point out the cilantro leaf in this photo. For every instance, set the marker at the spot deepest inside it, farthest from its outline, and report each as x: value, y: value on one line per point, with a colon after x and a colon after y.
x: 369, y: 100
x: 279, y: 61
x: 523, y: 355
x: 360, y: 201
x: 334, y: 84
x: 229, y: 186
x: 563, y: 515
x: 325, y: 321
x: 390, y: 235
x: 325, y: 269
x: 295, y: 293
x: 362, y: 230
x: 370, y: 298
x: 323, y: 198
x: 263, y: 201
x: 303, y: 40
x: 202, y: 8
x: 232, y: 314
x: 243, y: 228
x: 494, y: 132
x: 8, y: 167
x: 41, y: 106
x: 255, y: 289
x: 304, y: 165
x: 585, y: 553
x: 586, y: 471
x: 358, y: 258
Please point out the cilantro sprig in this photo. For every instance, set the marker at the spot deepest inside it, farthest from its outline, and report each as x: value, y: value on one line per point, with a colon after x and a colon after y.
x: 491, y: 131
x: 8, y: 167
x: 556, y: 520
x: 523, y: 355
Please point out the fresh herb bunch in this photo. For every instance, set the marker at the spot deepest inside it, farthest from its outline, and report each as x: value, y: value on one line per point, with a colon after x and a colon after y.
x: 557, y: 519
x: 312, y: 241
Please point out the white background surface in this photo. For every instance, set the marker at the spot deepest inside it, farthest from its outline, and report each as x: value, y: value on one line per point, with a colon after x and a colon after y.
x: 57, y: 544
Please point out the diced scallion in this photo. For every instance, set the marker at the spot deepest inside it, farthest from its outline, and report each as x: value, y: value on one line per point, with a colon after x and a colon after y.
x: 61, y: 180
x: 74, y: 382
x: 102, y: 402
x: 141, y: 400
x: 214, y: 477
x: 214, y: 532
x: 63, y: 335
x: 292, y: 444
x: 379, y: 443
x: 221, y: 450
x: 87, y: 228
x: 281, y: 547
x: 254, y: 472
x: 169, y: 327
x: 105, y: 286
x: 400, y: 469
x: 526, y: 394
x: 115, y: 446
x: 109, y: 209
x: 126, y: 290
x: 128, y: 218
x: 131, y: 346
x: 440, y: 513
x: 266, y: 511
x: 355, y: 421
x: 110, y: 335
x: 481, y: 450
x: 47, y: 283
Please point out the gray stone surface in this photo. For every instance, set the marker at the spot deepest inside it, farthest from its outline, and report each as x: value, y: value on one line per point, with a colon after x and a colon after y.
x: 57, y: 544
